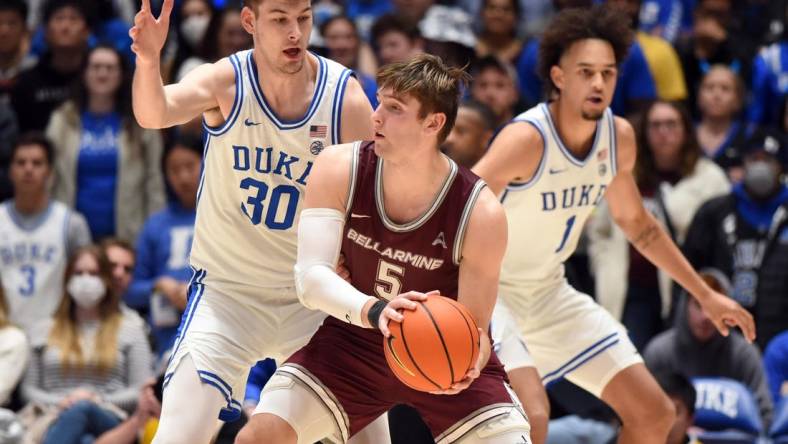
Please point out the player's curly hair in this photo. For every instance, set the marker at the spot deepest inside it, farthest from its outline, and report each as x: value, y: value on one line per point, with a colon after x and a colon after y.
x: 435, y: 85
x: 570, y: 25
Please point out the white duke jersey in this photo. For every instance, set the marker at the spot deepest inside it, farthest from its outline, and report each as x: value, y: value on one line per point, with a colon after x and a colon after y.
x: 32, y: 263
x: 546, y: 214
x: 255, y: 172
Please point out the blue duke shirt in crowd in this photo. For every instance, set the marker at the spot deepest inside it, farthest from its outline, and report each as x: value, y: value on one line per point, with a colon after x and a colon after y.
x: 769, y: 85
x: 163, y: 248
x: 97, y: 172
x: 635, y: 81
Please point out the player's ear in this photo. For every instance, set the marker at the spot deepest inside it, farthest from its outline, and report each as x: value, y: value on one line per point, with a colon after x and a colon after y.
x: 435, y: 122
x: 248, y: 19
x: 557, y: 76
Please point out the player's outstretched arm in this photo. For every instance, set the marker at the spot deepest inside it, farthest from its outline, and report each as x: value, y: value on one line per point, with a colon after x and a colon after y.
x: 482, y: 253
x: 514, y: 155
x: 645, y: 233
x: 356, y: 121
x: 320, y: 231
x: 154, y: 105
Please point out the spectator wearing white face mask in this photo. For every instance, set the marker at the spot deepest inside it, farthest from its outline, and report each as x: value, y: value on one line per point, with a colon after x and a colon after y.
x: 192, y: 24
x: 89, y: 361
x: 745, y: 234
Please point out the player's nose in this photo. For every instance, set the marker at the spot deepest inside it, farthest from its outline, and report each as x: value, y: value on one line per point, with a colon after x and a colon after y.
x: 597, y: 82
x: 376, y: 119
x: 295, y: 34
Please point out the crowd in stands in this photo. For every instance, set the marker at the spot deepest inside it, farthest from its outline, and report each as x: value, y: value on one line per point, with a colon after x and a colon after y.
x: 97, y: 213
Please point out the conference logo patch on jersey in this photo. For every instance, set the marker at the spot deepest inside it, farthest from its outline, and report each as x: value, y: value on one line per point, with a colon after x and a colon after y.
x: 316, y: 147
x: 602, y: 169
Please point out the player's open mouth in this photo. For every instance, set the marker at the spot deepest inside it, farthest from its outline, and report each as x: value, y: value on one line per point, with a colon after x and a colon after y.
x: 595, y: 100
x: 378, y: 135
x: 292, y: 52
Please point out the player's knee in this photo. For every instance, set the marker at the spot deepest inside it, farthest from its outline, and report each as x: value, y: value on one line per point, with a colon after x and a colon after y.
x: 665, y: 411
x: 510, y: 428
x: 657, y: 415
x: 265, y: 427
x: 538, y: 414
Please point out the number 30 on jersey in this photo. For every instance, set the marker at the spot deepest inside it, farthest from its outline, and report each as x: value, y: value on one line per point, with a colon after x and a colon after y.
x: 255, y: 205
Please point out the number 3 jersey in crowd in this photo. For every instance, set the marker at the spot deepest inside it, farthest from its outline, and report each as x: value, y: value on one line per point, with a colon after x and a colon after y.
x: 255, y: 172
x: 32, y: 262
x: 546, y: 214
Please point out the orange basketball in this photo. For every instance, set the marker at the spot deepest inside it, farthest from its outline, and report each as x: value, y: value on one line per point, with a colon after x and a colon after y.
x: 434, y: 346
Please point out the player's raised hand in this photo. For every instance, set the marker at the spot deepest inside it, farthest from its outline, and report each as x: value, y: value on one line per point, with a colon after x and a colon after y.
x: 724, y: 312
x: 149, y: 33
x: 405, y: 301
x: 473, y: 372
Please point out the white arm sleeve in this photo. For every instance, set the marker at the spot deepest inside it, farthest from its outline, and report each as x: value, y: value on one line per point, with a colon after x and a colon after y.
x: 318, y: 285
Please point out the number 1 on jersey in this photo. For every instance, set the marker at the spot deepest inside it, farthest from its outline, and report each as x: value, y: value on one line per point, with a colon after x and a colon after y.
x: 569, y: 223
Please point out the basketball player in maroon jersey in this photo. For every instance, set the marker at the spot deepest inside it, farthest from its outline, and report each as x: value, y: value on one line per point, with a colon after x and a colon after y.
x: 407, y: 220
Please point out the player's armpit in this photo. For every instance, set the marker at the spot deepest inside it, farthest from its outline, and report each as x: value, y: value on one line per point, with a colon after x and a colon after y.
x: 356, y: 123
x: 513, y: 156
x: 483, y: 248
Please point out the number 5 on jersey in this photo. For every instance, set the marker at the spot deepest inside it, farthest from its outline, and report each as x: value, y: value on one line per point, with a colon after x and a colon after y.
x: 388, y: 283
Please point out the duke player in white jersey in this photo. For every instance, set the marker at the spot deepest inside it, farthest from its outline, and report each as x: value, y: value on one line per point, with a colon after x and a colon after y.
x: 267, y: 113
x: 550, y: 167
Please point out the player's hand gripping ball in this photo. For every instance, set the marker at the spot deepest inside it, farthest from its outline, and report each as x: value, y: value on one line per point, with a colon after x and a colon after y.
x: 434, y: 346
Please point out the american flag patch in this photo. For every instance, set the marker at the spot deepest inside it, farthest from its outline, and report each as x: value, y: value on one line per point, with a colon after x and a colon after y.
x: 318, y: 131
x: 602, y: 155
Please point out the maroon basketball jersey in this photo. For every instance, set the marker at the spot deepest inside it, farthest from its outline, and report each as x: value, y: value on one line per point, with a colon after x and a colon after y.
x: 385, y: 258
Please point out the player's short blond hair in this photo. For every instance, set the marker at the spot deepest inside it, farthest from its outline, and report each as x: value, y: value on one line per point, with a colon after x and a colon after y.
x: 435, y: 85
